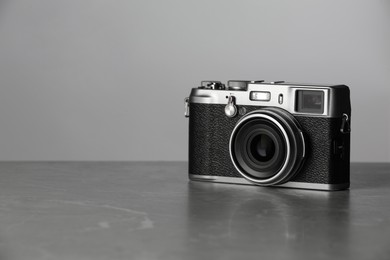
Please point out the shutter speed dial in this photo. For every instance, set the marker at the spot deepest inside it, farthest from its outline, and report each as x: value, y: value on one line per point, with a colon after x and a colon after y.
x: 238, y: 84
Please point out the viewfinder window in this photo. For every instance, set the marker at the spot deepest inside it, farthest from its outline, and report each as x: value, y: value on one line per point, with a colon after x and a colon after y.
x: 310, y: 101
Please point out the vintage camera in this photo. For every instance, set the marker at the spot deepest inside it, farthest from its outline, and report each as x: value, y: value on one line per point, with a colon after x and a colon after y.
x: 270, y: 134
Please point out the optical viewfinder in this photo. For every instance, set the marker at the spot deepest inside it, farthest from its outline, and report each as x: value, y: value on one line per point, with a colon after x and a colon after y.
x: 310, y: 101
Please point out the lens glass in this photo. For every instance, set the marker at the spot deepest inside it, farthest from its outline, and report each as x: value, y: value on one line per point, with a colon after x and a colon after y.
x: 259, y: 148
x: 267, y: 146
x: 262, y: 148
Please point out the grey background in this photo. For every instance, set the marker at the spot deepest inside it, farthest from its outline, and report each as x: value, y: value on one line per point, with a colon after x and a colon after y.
x: 105, y: 80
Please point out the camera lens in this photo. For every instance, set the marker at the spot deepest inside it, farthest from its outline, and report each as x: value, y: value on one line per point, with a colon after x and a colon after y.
x: 267, y: 146
x: 259, y: 147
x: 262, y: 148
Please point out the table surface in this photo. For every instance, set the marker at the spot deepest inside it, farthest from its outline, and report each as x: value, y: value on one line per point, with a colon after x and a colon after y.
x: 149, y: 210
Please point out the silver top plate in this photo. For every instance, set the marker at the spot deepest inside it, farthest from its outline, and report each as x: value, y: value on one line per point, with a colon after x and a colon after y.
x: 333, y: 106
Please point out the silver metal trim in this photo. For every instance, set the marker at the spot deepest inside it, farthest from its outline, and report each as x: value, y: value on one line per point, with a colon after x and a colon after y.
x: 298, y: 185
x: 277, y: 177
x: 288, y: 90
x: 304, y: 144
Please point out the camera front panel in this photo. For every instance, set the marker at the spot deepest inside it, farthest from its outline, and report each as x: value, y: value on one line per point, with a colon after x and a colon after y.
x: 210, y: 131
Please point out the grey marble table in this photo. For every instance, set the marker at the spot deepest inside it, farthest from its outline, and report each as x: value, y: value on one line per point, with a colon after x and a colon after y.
x: 136, y: 210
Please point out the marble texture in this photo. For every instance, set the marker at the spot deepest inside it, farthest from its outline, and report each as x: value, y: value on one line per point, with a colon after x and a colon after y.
x: 149, y: 210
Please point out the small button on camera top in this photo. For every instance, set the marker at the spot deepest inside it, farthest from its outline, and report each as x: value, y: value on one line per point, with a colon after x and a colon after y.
x: 238, y: 84
x: 276, y: 82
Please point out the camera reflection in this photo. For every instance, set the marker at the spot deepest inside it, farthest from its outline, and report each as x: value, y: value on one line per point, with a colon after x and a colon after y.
x: 240, y: 218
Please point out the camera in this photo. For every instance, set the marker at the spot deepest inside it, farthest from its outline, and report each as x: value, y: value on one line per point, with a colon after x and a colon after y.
x: 270, y: 134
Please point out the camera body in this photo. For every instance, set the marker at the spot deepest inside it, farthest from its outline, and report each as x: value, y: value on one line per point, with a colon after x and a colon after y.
x: 270, y: 134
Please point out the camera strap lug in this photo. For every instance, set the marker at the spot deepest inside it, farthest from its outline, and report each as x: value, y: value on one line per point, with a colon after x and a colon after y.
x: 187, y: 107
x: 345, y: 125
x: 230, y: 108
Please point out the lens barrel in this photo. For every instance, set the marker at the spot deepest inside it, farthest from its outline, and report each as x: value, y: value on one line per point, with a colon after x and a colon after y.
x: 267, y: 146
